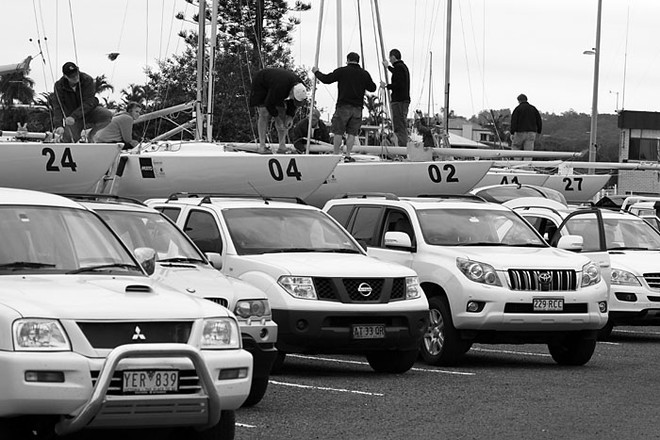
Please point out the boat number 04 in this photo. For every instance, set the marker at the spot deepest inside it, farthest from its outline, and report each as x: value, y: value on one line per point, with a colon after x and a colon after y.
x: 278, y: 173
x: 436, y: 175
x: 66, y: 161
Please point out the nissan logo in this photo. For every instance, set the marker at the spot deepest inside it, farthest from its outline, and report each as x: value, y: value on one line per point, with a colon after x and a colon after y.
x: 364, y: 289
x: 545, y: 277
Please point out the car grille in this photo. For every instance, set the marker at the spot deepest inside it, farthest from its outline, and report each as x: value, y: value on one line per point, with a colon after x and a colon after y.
x: 360, y: 290
x: 653, y: 279
x: 189, y: 383
x: 108, y: 335
x: 542, y: 280
x: 223, y: 302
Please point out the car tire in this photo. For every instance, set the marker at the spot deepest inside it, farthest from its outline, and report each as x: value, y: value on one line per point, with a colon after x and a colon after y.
x: 278, y: 364
x: 257, y: 391
x: 441, y: 344
x: 392, y: 361
x: 605, y: 333
x: 225, y: 429
x: 573, y: 350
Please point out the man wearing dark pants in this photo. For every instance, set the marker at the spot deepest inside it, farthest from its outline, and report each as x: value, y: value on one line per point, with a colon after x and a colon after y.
x: 400, y: 88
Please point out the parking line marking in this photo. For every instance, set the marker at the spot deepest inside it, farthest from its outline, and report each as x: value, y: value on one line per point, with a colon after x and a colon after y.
x: 245, y: 425
x: 343, y: 361
x: 635, y: 332
x: 312, y: 387
x: 510, y: 352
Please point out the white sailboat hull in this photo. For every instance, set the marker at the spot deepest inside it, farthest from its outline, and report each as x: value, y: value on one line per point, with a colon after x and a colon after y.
x: 504, y: 177
x: 54, y: 167
x: 577, y: 188
x: 401, y: 178
x: 200, y: 167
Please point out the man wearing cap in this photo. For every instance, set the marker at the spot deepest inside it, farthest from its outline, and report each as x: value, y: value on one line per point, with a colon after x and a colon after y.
x: 299, y: 133
x: 352, y: 83
x: 525, y: 125
x: 276, y: 93
x: 75, y: 105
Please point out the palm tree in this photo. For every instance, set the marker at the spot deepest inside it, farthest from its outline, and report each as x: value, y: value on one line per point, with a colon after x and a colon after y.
x: 135, y: 93
x: 102, y: 84
x: 16, y: 87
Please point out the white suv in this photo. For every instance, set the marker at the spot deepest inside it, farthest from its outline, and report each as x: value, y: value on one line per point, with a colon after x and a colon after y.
x: 488, y: 275
x: 326, y: 295
x: 181, y: 265
x: 88, y: 340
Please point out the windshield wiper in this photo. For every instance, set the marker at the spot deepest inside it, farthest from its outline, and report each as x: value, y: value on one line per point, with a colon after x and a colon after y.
x: 629, y: 248
x: 180, y: 260
x: 284, y: 250
x: 482, y: 243
x: 340, y: 251
x: 104, y: 266
x: 26, y: 265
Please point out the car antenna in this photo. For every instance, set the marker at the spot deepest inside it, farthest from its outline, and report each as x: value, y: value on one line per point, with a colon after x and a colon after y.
x: 258, y: 192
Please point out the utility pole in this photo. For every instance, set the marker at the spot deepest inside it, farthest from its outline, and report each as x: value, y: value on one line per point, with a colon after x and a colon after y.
x: 594, y: 102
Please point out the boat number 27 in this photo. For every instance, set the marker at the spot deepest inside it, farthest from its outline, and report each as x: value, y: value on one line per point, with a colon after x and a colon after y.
x: 278, y: 173
x: 436, y: 175
x: 572, y: 184
x: 66, y: 161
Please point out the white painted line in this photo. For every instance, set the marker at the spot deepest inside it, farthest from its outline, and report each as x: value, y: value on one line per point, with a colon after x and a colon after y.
x: 634, y: 332
x: 608, y: 343
x: 245, y: 425
x: 343, y: 361
x: 509, y: 352
x: 311, y: 387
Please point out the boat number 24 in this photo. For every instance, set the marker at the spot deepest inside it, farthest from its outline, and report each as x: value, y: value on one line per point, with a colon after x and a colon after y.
x: 278, y: 173
x: 66, y: 161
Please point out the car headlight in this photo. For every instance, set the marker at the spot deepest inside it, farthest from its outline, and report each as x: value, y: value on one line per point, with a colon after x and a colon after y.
x: 298, y: 287
x: 590, y: 274
x: 413, y: 289
x: 252, y: 308
x: 220, y: 333
x: 624, y: 278
x: 37, y: 334
x: 478, y: 272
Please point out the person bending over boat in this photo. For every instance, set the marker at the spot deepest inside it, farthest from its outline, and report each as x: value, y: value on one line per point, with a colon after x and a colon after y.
x: 352, y: 83
x: 120, y: 129
x: 75, y: 105
x: 276, y: 93
x: 298, y: 133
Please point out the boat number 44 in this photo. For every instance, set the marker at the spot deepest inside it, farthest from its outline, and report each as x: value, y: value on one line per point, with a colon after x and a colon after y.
x: 278, y: 172
x: 55, y: 163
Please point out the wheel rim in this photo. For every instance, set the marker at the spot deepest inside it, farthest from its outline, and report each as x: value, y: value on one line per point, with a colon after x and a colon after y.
x: 434, y: 339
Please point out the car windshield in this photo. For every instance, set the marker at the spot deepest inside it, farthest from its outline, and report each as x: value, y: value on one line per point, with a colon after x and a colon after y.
x: 266, y: 230
x: 40, y: 240
x: 153, y: 230
x: 476, y: 227
x: 631, y: 233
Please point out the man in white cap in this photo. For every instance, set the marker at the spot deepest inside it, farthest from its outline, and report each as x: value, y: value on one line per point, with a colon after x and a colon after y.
x: 276, y: 93
x: 75, y: 105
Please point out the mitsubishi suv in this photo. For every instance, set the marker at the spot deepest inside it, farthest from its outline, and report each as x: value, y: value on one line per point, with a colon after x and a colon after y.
x: 488, y: 275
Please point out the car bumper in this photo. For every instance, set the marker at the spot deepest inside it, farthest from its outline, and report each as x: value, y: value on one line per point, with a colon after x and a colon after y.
x: 89, y: 405
x: 259, y: 337
x: 630, y: 305
x: 305, y: 331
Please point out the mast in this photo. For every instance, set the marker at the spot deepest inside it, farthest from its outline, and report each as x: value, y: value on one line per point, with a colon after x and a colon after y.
x: 314, y: 81
x: 339, y: 48
x: 382, y: 50
x: 594, y: 102
x: 447, y: 70
x: 199, y: 116
x: 209, y: 92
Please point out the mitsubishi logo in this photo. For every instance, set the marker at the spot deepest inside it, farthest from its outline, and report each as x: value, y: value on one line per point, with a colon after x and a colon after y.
x: 545, y: 277
x: 138, y: 334
x: 364, y: 289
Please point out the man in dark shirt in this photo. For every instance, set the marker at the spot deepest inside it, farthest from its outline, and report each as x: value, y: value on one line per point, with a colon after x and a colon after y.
x: 276, y: 93
x: 352, y: 83
x: 525, y: 125
x: 75, y: 105
x: 298, y: 133
x: 400, y: 88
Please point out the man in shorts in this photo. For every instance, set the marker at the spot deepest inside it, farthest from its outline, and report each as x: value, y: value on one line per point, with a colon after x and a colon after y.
x: 276, y: 93
x: 352, y: 83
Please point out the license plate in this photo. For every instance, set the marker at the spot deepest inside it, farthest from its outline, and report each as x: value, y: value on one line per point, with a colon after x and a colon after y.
x: 150, y: 381
x: 372, y: 331
x: 548, y: 304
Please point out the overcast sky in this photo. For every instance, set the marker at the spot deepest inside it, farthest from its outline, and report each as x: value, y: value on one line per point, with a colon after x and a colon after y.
x: 499, y: 48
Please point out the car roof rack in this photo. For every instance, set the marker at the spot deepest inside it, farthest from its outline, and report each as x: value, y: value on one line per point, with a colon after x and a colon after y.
x: 206, y: 197
x: 468, y: 197
x: 366, y: 195
x: 95, y: 197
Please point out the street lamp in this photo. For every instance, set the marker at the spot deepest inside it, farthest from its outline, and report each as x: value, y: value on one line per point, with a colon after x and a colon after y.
x: 594, y: 103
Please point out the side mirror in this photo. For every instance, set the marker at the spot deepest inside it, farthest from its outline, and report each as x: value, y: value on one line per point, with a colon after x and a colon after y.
x: 215, y: 259
x: 397, y: 239
x: 571, y: 243
x: 147, y: 258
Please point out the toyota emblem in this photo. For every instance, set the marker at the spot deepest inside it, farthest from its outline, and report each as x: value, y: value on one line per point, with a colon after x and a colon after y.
x: 545, y: 277
x: 364, y: 289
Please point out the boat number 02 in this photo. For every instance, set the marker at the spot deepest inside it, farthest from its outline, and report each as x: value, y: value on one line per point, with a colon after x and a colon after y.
x: 570, y: 181
x: 277, y: 173
x: 66, y: 161
x: 436, y: 175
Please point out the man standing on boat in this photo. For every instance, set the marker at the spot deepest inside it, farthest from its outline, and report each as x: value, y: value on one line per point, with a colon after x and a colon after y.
x: 276, y: 93
x: 352, y: 83
x: 525, y: 125
x: 400, y: 88
x: 75, y: 105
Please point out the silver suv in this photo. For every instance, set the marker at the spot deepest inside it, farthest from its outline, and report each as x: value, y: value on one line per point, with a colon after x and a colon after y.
x: 488, y: 275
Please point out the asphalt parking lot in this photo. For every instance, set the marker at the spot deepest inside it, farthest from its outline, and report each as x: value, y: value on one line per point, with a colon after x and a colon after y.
x: 498, y: 392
